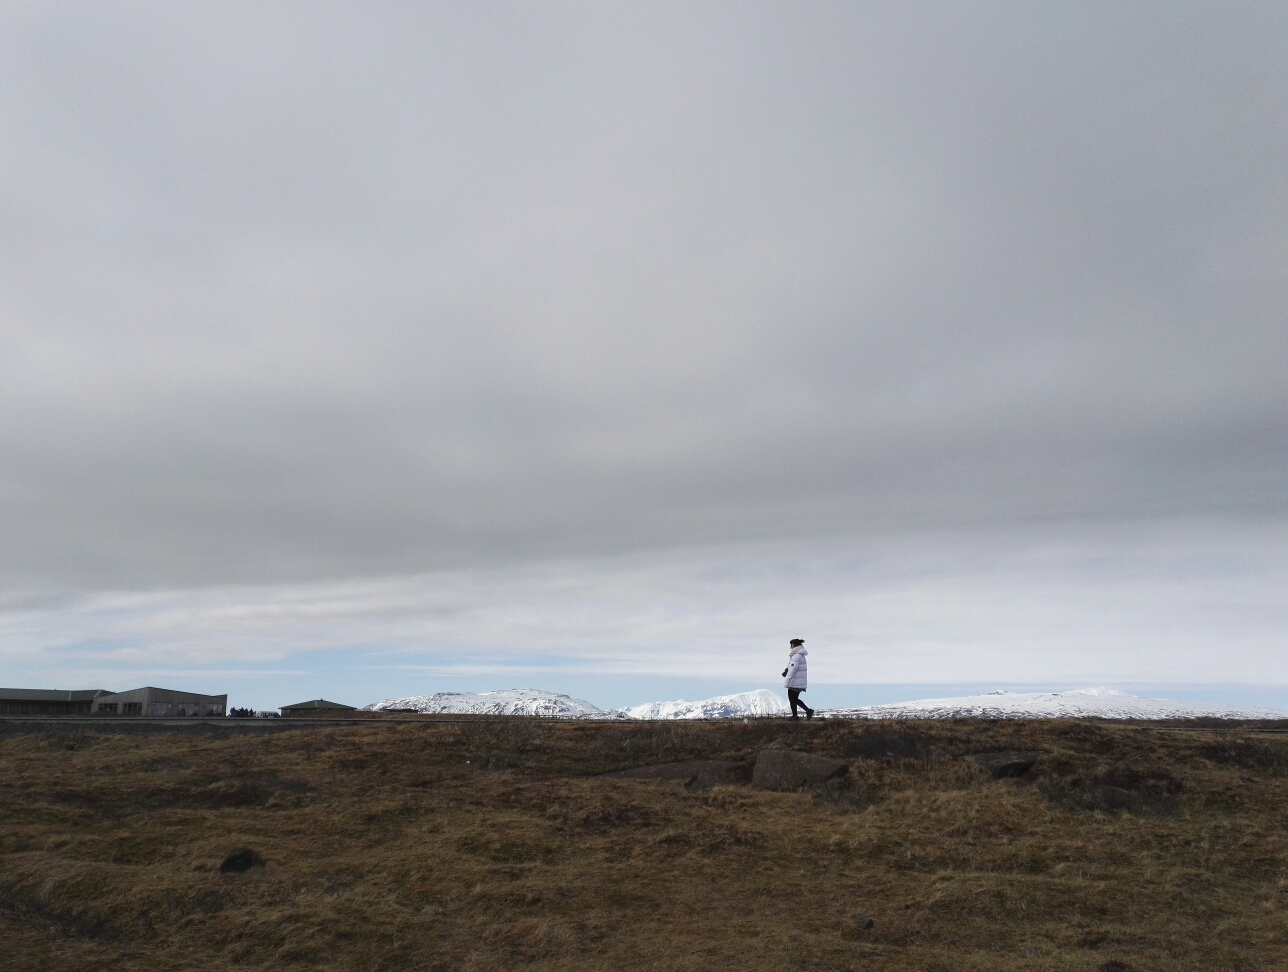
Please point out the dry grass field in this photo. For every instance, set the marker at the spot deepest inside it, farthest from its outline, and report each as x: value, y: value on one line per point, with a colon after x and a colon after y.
x: 412, y: 845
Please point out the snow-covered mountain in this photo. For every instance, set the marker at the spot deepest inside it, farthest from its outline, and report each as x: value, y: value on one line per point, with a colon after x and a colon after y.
x: 761, y: 702
x: 534, y: 702
x: 526, y: 702
x: 1081, y: 703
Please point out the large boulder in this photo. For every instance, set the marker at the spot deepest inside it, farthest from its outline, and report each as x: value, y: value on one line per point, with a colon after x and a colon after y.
x: 1004, y: 764
x: 778, y: 768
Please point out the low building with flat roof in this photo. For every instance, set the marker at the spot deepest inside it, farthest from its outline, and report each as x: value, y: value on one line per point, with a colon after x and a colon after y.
x: 20, y: 701
x: 315, y: 707
x: 159, y: 703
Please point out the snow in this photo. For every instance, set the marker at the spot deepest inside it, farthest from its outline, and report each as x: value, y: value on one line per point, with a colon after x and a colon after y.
x: 761, y: 702
x: 1096, y: 703
x: 534, y: 702
x: 526, y: 702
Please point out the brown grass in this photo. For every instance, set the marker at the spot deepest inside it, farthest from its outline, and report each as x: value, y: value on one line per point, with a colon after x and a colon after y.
x: 391, y: 846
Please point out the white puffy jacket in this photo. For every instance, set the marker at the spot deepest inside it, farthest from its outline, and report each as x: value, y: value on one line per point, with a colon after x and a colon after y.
x: 796, y: 669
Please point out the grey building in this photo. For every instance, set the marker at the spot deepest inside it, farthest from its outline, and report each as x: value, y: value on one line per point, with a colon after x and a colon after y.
x: 19, y: 701
x: 159, y: 702
x: 315, y: 707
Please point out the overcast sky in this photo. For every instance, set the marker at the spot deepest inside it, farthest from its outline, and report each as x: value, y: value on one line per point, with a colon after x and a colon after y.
x: 298, y: 300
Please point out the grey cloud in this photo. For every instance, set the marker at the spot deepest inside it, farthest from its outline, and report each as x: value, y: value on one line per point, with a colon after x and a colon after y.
x: 1167, y: 602
x: 328, y: 290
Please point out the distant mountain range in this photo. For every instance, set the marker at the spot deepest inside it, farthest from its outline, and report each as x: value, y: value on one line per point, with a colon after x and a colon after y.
x: 525, y: 702
x: 1078, y: 704
x: 761, y: 702
x: 1082, y: 703
x: 534, y: 702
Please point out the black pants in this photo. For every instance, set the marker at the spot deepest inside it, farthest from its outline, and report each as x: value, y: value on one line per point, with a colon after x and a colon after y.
x: 794, y: 697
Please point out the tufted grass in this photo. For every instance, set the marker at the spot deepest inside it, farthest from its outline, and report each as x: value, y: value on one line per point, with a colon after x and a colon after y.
x: 391, y: 846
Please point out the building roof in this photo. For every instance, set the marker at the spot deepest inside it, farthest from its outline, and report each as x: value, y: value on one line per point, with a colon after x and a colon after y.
x: 50, y: 695
x: 154, y: 690
x: 319, y: 704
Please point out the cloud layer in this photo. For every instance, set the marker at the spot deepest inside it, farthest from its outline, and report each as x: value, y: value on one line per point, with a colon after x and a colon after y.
x: 1174, y: 603
x: 376, y: 349
x: 330, y: 291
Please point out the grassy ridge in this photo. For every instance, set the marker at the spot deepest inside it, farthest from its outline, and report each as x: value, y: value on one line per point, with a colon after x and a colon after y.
x: 392, y: 846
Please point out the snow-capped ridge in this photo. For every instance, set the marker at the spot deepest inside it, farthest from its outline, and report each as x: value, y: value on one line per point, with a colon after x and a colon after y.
x: 535, y: 702
x: 1095, y: 703
x: 522, y: 702
x: 761, y: 702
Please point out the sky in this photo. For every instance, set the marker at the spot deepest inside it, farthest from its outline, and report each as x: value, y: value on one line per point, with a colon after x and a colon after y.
x: 368, y: 350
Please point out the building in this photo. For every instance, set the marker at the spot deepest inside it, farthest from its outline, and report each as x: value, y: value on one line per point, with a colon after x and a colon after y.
x: 159, y: 703
x: 316, y: 707
x: 18, y: 701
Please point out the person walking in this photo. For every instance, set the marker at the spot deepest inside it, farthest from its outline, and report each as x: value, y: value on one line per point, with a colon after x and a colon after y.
x: 794, y: 677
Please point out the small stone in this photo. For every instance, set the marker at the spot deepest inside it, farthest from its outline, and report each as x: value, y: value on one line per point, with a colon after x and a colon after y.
x: 240, y: 860
x: 430, y: 910
x: 868, y: 925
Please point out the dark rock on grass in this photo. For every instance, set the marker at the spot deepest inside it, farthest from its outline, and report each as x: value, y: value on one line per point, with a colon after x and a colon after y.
x: 888, y: 744
x: 240, y: 861
x: 1006, y: 764
x: 857, y: 931
x: 695, y: 774
x: 1113, y: 965
x: 778, y: 768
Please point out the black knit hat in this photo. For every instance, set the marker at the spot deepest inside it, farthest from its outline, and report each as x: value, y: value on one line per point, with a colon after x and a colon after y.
x: 798, y: 641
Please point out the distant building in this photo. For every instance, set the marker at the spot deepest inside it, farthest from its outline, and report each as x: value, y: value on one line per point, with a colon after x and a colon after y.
x: 159, y: 703
x: 316, y: 707
x: 19, y: 701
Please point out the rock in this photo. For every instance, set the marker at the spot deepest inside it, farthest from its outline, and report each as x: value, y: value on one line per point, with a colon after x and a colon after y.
x: 695, y: 774
x: 778, y: 768
x: 1008, y: 763
x: 240, y: 860
x: 868, y: 925
x: 430, y: 910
